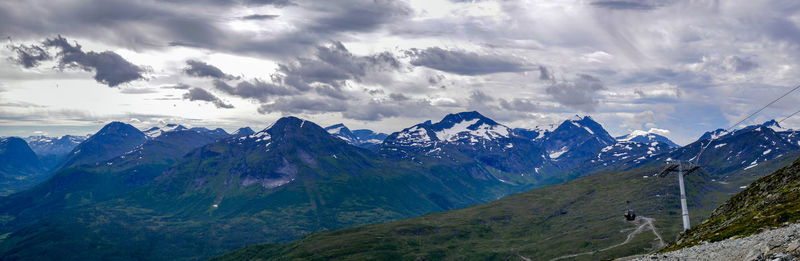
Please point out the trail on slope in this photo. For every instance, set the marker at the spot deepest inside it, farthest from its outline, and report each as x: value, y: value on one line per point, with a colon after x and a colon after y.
x: 644, y: 223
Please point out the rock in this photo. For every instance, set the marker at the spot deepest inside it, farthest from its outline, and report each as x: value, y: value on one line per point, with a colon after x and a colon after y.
x: 792, y: 246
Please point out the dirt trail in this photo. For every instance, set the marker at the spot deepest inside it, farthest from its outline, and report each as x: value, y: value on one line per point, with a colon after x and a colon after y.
x: 643, y: 224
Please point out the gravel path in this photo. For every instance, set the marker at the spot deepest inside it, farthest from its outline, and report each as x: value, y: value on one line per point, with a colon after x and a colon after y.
x: 643, y: 224
x: 780, y: 244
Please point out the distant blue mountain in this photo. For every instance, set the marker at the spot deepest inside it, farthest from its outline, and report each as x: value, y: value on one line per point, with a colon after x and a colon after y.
x: 364, y: 138
x: 112, y: 140
x: 19, y: 165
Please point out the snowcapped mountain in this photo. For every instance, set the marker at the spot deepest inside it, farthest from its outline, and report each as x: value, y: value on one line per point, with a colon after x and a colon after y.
x: 468, y: 128
x: 575, y: 141
x: 647, y: 137
x: 628, y: 150
x: 739, y: 149
x: 467, y: 135
x: 364, y: 138
x: 157, y: 131
x: 43, y: 145
x: 534, y: 134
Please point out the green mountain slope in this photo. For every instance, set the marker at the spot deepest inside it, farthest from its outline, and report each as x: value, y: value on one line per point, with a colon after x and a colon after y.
x: 80, y: 186
x: 577, y: 216
x: 771, y: 201
x: 276, y: 185
x: 581, y: 217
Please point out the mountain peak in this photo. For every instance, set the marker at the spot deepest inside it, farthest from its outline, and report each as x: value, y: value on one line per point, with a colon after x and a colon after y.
x: 16, y: 154
x: 293, y: 126
x: 336, y: 126
x: 774, y: 125
x: 243, y: 131
x: 467, y: 116
x: 117, y: 127
x: 13, y: 142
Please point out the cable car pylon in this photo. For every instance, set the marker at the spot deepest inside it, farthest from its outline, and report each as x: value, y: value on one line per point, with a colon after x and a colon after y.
x: 682, y: 169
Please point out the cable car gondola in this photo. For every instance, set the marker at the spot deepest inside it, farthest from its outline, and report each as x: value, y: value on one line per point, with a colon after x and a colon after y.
x: 630, y: 215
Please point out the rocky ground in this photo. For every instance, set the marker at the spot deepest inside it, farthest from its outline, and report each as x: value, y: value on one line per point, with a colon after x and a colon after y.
x: 781, y: 244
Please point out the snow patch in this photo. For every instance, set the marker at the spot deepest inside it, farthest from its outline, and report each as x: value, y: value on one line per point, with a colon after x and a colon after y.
x: 555, y: 155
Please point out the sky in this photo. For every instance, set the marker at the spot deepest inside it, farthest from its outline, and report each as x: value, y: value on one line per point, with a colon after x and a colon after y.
x: 677, y: 67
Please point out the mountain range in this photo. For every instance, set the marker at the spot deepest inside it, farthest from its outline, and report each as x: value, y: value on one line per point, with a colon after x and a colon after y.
x: 177, y: 193
x: 579, y: 219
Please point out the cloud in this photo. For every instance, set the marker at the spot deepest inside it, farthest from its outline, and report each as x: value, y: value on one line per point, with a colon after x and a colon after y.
x: 260, y: 17
x: 641, y: 120
x: 624, y: 5
x: 29, y: 56
x: 109, y: 67
x: 738, y: 64
x: 203, y: 24
x: 277, y: 3
x: 202, y: 69
x: 545, y: 74
x: 464, y: 63
x: 303, y: 105
x: 519, y: 104
x: 332, y: 65
x: 577, y: 94
x: 197, y: 94
x: 179, y: 86
x: 257, y: 89
x: 138, y: 90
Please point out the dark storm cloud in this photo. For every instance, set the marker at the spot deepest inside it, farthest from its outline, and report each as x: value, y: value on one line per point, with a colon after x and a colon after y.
x: 464, y: 63
x: 257, y: 89
x: 260, y: 17
x: 577, y: 94
x: 202, y: 69
x: 197, y: 94
x: 109, y: 67
x: 29, y: 56
x: 325, y: 72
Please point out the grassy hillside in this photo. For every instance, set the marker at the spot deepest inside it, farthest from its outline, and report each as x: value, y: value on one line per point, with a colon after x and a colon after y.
x: 582, y: 216
x: 771, y: 201
x: 577, y: 216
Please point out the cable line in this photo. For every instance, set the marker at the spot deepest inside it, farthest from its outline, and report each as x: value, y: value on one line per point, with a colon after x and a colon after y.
x: 697, y: 158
